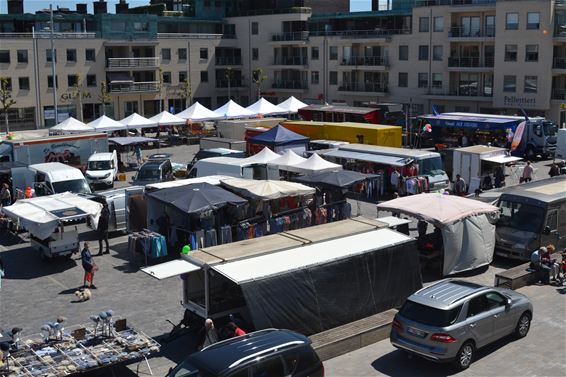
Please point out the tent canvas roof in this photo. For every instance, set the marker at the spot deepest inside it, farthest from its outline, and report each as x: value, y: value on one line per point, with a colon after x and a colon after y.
x: 340, y: 178
x: 292, y: 105
x: 315, y: 164
x: 165, y: 118
x: 71, y: 125
x: 266, y: 155
x: 106, y: 124
x: 266, y: 189
x: 198, y: 112
x: 278, y: 136
x: 137, y: 121
x: 264, y: 107
x: 289, y: 158
x: 232, y: 110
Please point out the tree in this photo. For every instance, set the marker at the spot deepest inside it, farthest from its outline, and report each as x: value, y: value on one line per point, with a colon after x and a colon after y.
x: 229, y: 75
x: 6, y: 99
x: 104, y: 96
x: 186, y: 92
x: 77, y: 91
x: 258, y: 77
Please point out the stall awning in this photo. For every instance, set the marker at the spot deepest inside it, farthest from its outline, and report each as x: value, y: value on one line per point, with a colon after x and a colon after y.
x: 502, y: 159
x: 266, y: 189
x: 378, y: 159
x: 263, y: 266
x: 131, y: 140
x: 170, y: 269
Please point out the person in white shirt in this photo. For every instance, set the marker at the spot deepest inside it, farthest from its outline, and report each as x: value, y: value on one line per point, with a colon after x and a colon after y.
x: 394, y: 180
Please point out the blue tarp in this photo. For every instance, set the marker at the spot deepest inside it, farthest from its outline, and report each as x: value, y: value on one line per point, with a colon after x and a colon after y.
x: 481, y: 123
x: 277, y: 136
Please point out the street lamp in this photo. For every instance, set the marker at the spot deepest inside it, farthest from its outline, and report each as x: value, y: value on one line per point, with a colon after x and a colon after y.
x: 53, y: 69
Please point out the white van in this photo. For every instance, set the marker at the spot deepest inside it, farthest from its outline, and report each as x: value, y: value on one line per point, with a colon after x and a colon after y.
x: 233, y: 167
x: 102, y: 169
x: 50, y: 178
x: 560, y: 153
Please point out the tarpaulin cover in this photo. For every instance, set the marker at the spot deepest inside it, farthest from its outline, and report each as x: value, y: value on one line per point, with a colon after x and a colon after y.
x: 277, y: 136
x: 341, y: 178
x: 266, y: 189
x: 320, y: 297
x: 131, y: 140
x: 197, y: 197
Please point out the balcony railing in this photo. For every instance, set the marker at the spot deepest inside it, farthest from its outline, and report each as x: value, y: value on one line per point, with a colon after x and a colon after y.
x: 461, y: 32
x: 470, y: 62
x: 289, y: 84
x: 290, y: 60
x: 559, y: 93
x: 134, y: 87
x: 362, y: 87
x: 462, y: 92
x: 152, y: 62
x: 290, y: 36
x: 234, y: 83
x: 373, y: 33
x: 428, y: 3
x: 44, y: 35
x: 228, y: 60
x: 559, y: 63
x: 366, y: 61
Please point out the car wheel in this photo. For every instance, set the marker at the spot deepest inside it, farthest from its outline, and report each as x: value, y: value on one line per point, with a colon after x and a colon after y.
x: 465, y: 356
x: 523, y: 326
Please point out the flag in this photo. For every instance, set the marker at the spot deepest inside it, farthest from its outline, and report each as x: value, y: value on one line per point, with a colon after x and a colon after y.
x: 518, y: 136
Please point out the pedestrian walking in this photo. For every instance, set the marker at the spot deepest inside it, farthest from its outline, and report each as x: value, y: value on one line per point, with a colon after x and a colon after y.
x: 527, y: 175
x: 460, y: 186
x: 5, y: 195
x: 89, y: 266
x: 138, y: 154
x: 103, y: 229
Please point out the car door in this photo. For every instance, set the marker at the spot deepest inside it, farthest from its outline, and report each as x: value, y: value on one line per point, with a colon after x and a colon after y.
x: 503, y: 321
x: 479, y: 320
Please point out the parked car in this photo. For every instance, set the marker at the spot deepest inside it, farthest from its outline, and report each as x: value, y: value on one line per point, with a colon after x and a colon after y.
x: 102, y: 169
x: 262, y: 353
x: 154, y: 171
x: 450, y: 320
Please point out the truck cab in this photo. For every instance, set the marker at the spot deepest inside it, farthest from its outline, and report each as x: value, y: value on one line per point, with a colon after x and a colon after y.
x: 50, y: 178
x: 102, y: 169
x: 539, y: 138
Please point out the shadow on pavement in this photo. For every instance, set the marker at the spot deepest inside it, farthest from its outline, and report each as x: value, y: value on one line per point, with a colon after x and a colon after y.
x: 25, y: 263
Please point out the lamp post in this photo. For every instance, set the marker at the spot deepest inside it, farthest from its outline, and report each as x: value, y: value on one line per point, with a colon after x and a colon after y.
x: 53, y: 69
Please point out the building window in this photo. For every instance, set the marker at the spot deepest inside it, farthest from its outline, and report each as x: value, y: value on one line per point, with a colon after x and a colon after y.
x: 255, y: 28
x: 531, y: 84
x: 166, y: 54
x: 509, y: 83
x: 255, y: 53
x: 182, y: 52
x: 404, y: 52
x: 50, y: 81
x: 437, y: 52
x: 314, y: 53
x: 72, y: 80
x: 130, y: 107
x: 8, y: 83
x: 423, y: 80
x: 23, y: 83
x: 533, y: 20
x: 203, y: 53
x: 333, y: 52
x: 166, y: 77
x: 90, y: 80
x: 510, y: 53
x: 141, y: 26
x: 22, y: 56
x: 207, y: 3
x: 531, y: 53
x: 423, y: 24
x: 48, y: 55
x: 438, y: 24
x: 71, y: 55
x: 333, y: 78
x: 182, y: 76
x: 203, y: 76
x: 437, y: 80
x: 403, y: 80
x: 462, y: 109
x: 314, y: 77
x: 512, y: 21
x: 423, y: 52
x: 90, y: 55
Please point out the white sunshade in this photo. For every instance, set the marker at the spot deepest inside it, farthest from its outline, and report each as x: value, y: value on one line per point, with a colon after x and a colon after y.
x: 210, y: 179
x: 264, y: 107
x: 263, y: 266
x: 501, y: 159
x: 106, y: 124
x: 232, y: 110
x: 170, y: 269
x: 41, y: 215
x: 266, y: 189
x: 291, y: 105
x: 198, y: 113
x: 165, y: 118
x: 314, y: 164
x: 266, y: 155
x: 289, y: 158
x: 376, y: 158
x: 70, y: 126
x: 137, y: 121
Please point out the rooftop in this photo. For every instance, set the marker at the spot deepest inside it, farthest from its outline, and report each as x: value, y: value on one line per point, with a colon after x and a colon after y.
x: 445, y: 293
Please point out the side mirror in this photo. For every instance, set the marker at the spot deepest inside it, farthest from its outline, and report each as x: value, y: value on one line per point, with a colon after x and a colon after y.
x: 546, y: 230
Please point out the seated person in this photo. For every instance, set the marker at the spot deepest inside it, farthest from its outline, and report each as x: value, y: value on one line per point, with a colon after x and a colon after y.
x: 546, y: 259
x: 542, y: 270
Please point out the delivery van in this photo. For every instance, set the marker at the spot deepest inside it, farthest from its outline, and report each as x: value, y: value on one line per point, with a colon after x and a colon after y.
x: 49, y: 178
x: 102, y: 169
x: 560, y: 153
x: 233, y: 167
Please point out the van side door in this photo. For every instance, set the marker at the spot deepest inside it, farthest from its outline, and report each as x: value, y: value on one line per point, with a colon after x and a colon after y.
x: 551, y: 235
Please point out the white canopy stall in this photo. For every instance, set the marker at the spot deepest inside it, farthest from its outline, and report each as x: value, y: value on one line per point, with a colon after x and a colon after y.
x: 106, y: 124
x: 198, y: 113
x: 314, y: 164
x: 165, y: 118
x: 70, y: 126
x: 291, y: 105
x: 231, y: 110
x: 289, y: 158
x: 266, y: 155
x: 136, y: 121
x: 266, y: 189
x: 264, y: 107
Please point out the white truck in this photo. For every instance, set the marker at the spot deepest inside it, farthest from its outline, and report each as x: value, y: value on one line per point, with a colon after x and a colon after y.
x: 49, y: 178
x: 102, y: 169
x: 560, y: 153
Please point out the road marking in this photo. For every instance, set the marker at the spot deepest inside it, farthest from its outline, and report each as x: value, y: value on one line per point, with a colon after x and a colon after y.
x: 58, y: 283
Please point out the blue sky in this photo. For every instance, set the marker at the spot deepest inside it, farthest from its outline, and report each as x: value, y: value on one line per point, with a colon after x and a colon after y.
x: 30, y: 6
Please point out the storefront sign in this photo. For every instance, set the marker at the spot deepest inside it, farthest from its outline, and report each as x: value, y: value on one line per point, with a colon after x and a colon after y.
x: 562, y: 106
x: 514, y: 101
x: 71, y: 96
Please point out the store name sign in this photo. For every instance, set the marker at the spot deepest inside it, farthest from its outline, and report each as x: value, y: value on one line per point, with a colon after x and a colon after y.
x: 72, y: 96
x: 519, y: 101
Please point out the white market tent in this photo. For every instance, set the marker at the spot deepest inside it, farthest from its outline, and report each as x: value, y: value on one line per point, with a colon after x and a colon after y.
x: 165, y: 118
x: 231, y: 110
x: 314, y: 164
x: 264, y: 107
x: 70, y: 126
x: 106, y: 124
x: 291, y: 105
x: 266, y: 189
x: 137, y: 121
x: 289, y: 158
x: 41, y: 215
x: 266, y: 155
x: 198, y: 113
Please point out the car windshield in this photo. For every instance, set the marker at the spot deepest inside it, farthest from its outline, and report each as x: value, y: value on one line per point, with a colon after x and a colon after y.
x: 520, y: 216
x: 431, y: 166
x: 99, y: 165
x: 185, y: 369
x: 429, y: 316
x: 77, y: 186
x: 550, y: 129
x: 146, y: 174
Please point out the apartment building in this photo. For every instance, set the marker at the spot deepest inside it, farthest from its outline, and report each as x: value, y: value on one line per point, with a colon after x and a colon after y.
x: 494, y: 56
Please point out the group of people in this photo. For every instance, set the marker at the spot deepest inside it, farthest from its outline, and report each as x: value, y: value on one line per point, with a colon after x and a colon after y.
x: 548, y: 269
x: 210, y: 334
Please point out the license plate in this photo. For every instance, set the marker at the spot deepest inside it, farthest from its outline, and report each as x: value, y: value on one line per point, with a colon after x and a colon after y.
x: 416, y: 332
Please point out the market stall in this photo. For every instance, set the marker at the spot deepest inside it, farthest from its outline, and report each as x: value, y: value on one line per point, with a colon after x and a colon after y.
x: 136, y: 121
x: 279, y: 139
x: 292, y: 105
x: 70, y: 126
x: 345, y: 181
x: 106, y: 124
x: 125, y: 145
x: 231, y: 110
x: 264, y: 107
x: 464, y: 236
x: 198, y: 113
x: 289, y: 158
x: 314, y: 164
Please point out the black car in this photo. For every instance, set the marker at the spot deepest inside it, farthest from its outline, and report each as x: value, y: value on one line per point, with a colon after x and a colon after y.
x: 154, y: 171
x: 264, y: 353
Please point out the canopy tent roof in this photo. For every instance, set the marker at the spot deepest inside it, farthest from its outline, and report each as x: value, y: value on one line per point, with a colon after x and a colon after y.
x: 370, y: 157
x: 289, y: 158
x: 266, y: 189
x: 438, y: 209
x: 264, y: 107
x: 197, y: 197
x: 198, y: 113
x: 314, y: 164
x: 278, y: 136
x: 106, y: 124
x: 41, y: 215
x: 266, y: 155
x: 340, y: 179
x: 71, y: 125
x: 292, y: 105
x: 211, y: 179
x: 232, y: 110
x: 137, y: 121
x: 131, y: 140
x: 165, y: 118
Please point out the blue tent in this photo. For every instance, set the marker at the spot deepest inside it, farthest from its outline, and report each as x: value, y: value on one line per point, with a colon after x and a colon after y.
x: 279, y: 136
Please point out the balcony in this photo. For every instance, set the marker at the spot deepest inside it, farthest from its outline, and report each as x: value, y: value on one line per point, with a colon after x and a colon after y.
x: 290, y: 60
x: 370, y: 61
x: 360, y: 34
x: 559, y: 93
x: 290, y: 84
x: 469, y: 93
x: 134, y: 87
x: 44, y: 35
x: 362, y: 87
x: 234, y: 84
x: 295, y: 36
x: 133, y: 63
x: 461, y: 32
x: 428, y: 3
x: 228, y: 60
x: 559, y: 63
x: 470, y: 62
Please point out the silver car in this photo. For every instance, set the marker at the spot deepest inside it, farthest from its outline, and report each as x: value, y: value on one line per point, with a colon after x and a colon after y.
x: 450, y: 320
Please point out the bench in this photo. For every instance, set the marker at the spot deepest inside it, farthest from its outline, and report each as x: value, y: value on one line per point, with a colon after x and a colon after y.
x: 352, y: 336
x: 519, y: 276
